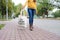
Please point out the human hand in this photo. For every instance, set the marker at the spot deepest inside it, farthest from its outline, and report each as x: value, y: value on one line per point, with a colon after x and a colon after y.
x: 22, y: 7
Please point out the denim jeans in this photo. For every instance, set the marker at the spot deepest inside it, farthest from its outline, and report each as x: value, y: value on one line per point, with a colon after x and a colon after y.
x: 31, y: 13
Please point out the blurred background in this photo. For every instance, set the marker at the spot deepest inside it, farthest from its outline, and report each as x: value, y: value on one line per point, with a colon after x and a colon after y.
x: 10, y: 9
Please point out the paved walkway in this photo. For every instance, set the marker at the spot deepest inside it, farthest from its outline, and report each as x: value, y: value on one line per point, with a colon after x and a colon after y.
x: 12, y: 31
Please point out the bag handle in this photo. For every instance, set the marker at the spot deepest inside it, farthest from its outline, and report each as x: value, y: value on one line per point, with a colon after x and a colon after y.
x: 21, y: 12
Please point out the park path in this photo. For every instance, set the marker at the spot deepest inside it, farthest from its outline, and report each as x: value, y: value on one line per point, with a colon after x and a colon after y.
x: 12, y: 31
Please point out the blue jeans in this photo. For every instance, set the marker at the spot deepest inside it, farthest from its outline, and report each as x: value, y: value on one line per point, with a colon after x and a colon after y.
x: 31, y: 13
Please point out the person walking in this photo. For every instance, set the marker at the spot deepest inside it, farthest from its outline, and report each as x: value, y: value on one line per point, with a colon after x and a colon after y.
x: 31, y: 11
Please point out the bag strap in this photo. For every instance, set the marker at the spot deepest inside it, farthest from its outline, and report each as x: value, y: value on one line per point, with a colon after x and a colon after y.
x: 21, y: 12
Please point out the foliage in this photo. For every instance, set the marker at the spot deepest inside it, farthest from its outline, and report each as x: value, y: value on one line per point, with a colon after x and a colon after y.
x: 11, y: 8
x: 43, y: 6
x: 57, y: 14
x: 17, y: 9
x: 57, y: 0
x: 3, y: 4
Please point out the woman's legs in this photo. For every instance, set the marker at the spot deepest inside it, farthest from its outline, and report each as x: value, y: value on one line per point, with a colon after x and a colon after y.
x: 31, y: 16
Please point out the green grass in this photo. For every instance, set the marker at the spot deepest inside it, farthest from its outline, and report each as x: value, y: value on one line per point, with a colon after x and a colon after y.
x: 1, y: 26
x: 5, y: 19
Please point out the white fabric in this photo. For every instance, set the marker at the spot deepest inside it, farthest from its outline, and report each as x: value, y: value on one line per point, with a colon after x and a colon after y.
x: 22, y: 21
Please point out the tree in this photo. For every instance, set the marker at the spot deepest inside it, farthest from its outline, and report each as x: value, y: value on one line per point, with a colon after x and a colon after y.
x: 3, y: 7
x: 55, y: 3
x: 0, y: 8
x: 43, y: 6
x: 57, y: 0
x: 10, y: 7
x: 17, y: 9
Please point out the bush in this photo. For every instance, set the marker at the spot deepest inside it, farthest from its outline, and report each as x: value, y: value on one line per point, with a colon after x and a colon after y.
x: 57, y: 14
x: 1, y: 26
x: 16, y: 15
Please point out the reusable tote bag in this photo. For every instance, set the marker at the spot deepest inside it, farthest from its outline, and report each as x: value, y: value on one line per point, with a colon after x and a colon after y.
x: 22, y: 21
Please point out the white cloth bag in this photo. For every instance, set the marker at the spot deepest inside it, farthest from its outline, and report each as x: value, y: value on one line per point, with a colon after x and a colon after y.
x: 22, y: 21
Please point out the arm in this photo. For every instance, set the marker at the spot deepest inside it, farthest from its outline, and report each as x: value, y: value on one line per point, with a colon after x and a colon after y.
x: 24, y: 5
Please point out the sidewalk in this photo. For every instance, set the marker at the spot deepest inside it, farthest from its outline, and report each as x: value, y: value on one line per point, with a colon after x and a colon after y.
x: 11, y: 31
